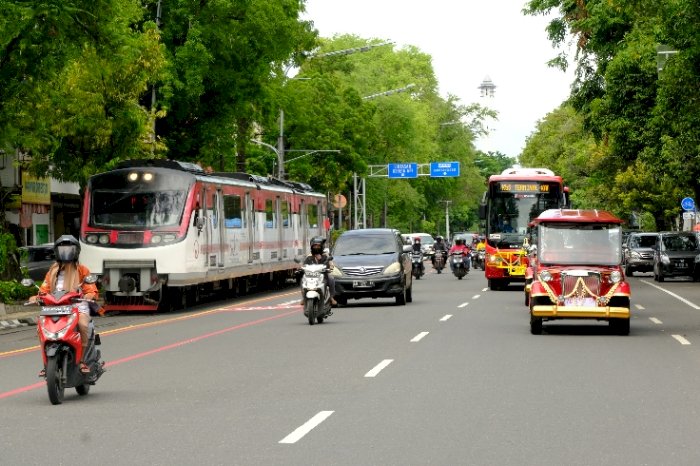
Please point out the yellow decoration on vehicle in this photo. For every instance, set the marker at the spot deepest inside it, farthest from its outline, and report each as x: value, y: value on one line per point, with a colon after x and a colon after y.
x: 512, y: 261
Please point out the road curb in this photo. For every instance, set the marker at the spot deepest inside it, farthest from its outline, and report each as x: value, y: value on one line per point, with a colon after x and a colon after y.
x: 19, y: 322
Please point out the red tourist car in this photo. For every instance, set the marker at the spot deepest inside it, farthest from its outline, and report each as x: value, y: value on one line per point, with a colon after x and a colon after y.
x: 578, y: 274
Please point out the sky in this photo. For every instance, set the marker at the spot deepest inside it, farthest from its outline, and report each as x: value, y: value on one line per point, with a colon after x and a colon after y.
x: 468, y: 40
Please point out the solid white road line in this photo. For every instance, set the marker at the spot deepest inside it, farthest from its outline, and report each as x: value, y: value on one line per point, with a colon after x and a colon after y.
x: 447, y: 317
x: 419, y: 337
x: 679, y: 298
x: 681, y: 340
x: 655, y: 320
x: 639, y: 306
x: 476, y: 296
x: 378, y: 368
x: 484, y: 289
x: 306, y: 428
x: 463, y: 305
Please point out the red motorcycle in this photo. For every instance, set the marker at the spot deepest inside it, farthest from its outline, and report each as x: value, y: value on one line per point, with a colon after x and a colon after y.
x: 61, y: 343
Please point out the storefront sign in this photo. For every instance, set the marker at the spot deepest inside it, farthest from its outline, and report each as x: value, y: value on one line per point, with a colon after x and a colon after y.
x: 36, y: 190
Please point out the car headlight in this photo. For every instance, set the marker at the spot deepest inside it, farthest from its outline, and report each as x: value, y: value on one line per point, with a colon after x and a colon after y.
x: 635, y: 254
x: 494, y: 259
x: 615, y: 276
x: 665, y: 259
x: 392, y: 269
x: 545, y: 276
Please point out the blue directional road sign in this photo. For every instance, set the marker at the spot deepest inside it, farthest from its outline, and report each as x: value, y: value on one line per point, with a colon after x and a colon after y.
x: 444, y: 169
x: 688, y: 203
x: 403, y: 170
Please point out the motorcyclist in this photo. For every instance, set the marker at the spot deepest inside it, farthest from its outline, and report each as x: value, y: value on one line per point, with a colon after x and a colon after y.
x: 417, y: 245
x: 68, y: 274
x: 440, y: 248
x: 459, y: 248
x: 481, y: 245
x: 318, y: 256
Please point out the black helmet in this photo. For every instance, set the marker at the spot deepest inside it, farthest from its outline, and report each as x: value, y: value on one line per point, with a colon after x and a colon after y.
x: 459, y: 241
x: 67, y: 249
x: 438, y: 238
x: 317, y: 244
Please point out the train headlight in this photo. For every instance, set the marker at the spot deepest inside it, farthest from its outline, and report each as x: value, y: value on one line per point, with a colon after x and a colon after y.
x: 155, y: 239
x: 104, y: 239
x: 92, y: 239
x: 169, y: 238
x: 133, y: 176
x: 147, y: 176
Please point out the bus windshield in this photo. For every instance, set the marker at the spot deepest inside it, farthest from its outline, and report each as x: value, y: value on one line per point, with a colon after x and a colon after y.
x: 513, y: 205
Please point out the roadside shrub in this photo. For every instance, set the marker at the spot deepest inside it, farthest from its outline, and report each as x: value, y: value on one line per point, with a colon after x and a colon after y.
x: 12, y: 291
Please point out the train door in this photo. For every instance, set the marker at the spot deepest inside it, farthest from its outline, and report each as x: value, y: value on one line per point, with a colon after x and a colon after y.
x: 280, y: 228
x: 221, y: 237
x: 250, y: 225
x: 213, y: 233
x: 303, y: 226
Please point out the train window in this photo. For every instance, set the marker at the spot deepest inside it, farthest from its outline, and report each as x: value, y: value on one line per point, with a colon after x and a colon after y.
x: 312, y: 216
x: 285, y: 214
x: 233, y: 214
x: 269, y: 214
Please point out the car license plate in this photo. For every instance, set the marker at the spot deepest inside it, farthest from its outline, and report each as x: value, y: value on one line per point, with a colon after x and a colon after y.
x: 362, y: 284
x: 681, y: 265
x: 580, y: 302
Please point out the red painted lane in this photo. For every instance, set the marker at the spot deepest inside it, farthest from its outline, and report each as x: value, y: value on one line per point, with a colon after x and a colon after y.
x: 178, y: 344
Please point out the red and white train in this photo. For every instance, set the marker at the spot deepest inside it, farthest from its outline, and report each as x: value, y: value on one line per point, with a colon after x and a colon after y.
x: 162, y: 233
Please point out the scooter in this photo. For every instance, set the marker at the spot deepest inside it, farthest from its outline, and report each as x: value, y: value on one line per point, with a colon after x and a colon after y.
x: 480, y: 259
x: 61, y: 343
x: 460, y: 264
x: 418, y: 268
x: 316, y: 295
x: 439, y: 263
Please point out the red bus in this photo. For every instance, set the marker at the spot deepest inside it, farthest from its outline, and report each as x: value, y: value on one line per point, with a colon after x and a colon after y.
x: 513, y: 199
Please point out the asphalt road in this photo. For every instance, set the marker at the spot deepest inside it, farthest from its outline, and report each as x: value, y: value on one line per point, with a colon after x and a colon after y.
x: 453, y: 378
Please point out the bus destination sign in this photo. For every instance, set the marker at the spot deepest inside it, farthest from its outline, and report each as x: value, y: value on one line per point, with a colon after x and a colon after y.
x: 523, y: 187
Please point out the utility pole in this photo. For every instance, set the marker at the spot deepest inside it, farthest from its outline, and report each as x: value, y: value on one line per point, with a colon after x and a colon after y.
x: 447, y: 219
x: 153, y: 91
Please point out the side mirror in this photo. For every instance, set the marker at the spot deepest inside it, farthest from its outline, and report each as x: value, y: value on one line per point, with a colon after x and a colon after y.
x: 27, y: 282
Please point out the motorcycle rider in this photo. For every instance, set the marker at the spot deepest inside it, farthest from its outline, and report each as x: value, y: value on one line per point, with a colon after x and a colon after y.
x: 68, y: 274
x: 459, y: 248
x: 438, y: 246
x: 416, y: 244
x: 481, y: 245
x: 318, y: 256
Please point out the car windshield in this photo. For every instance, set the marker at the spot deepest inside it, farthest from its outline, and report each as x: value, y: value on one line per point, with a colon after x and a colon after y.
x: 349, y: 245
x: 645, y: 241
x: 680, y: 243
x: 579, y: 243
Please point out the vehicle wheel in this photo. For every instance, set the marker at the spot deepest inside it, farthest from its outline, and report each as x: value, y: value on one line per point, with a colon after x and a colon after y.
x: 343, y: 301
x: 439, y: 270
x: 628, y: 271
x: 311, y: 310
x: 409, y: 294
x: 527, y: 299
x: 401, y: 297
x: 319, y: 319
x: 620, y: 326
x: 83, y: 389
x: 494, y: 284
x: 535, y: 325
x: 661, y: 276
x: 54, y: 380
x: 460, y: 277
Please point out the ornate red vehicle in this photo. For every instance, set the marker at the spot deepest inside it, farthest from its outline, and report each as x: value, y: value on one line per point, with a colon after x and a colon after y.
x: 577, y: 274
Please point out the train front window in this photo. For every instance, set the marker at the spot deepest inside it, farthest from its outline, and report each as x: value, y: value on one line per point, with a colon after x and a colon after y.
x: 141, y: 209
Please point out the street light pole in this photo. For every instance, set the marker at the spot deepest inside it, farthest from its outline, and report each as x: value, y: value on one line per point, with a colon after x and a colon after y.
x: 280, y: 148
x: 447, y: 219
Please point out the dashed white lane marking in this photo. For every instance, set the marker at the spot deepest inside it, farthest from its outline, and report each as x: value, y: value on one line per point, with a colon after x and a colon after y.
x: 484, y: 289
x: 639, y: 306
x: 476, y: 296
x: 679, y: 298
x: 681, y: 340
x: 655, y: 320
x: 447, y: 317
x: 378, y: 368
x: 419, y: 337
x: 307, y: 427
x: 463, y: 305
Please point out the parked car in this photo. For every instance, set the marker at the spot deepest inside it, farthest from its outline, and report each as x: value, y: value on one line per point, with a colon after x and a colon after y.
x: 578, y: 273
x: 676, y: 254
x: 638, y: 253
x: 372, y: 263
x: 427, y: 242
x: 37, y: 260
